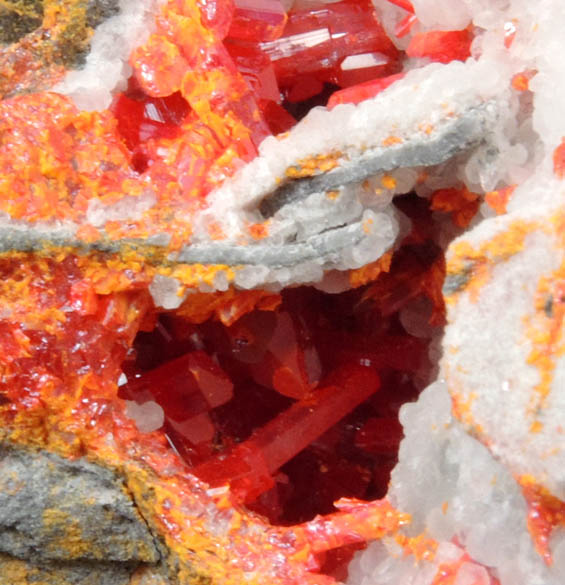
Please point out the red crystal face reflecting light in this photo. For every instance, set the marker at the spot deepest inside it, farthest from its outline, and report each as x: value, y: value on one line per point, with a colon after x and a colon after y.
x: 265, y: 68
x: 296, y: 406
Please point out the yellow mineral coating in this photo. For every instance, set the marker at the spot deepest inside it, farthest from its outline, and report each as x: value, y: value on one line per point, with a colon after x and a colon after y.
x: 388, y: 182
x: 392, y: 140
x: 421, y: 547
x: 369, y: 272
x: 464, y: 257
x: 18, y: 572
x: 314, y: 165
x: 70, y: 539
x: 545, y: 331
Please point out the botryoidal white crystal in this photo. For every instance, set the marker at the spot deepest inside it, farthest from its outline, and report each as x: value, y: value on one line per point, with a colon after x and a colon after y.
x: 455, y: 491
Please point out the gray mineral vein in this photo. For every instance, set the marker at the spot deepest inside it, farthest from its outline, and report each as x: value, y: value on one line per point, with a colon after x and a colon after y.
x: 452, y: 137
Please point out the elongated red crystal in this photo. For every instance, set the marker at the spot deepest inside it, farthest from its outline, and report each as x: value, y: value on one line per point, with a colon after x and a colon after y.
x: 355, y: 521
x: 258, y: 20
x: 184, y: 387
x: 257, y: 70
x: 316, y: 41
x: 363, y: 91
x: 405, y: 4
x: 289, y: 433
x: 441, y: 46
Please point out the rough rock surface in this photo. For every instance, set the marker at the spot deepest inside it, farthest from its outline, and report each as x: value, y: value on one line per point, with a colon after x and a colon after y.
x: 77, y: 573
x: 65, y: 521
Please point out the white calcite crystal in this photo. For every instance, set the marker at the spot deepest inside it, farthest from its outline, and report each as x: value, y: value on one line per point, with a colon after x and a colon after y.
x: 148, y: 416
x: 106, y: 69
x: 166, y: 292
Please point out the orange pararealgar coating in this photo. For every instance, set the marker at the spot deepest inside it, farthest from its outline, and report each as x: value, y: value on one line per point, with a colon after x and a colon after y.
x: 312, y: 166
x: 465, y: 258
x: 461, y: 203
x: 545, y: 513
x: 545, y: 332
x: 62, y: 350
x: 57, y: 163
x: 499, y: 198
x: 369, y: 272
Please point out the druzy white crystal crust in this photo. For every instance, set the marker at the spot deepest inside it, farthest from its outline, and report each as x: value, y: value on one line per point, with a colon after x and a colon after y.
x: 496, y: 414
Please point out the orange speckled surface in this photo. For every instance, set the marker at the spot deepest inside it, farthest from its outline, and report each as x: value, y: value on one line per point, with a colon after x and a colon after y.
x: 70, y: 313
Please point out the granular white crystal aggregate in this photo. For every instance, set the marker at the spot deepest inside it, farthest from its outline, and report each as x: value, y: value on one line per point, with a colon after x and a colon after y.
x: 127, y: 208
x: 456, y: 489
x: 106, y: 69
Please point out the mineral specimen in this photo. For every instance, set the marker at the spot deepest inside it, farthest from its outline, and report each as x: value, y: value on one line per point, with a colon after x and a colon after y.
x: 232, y: 233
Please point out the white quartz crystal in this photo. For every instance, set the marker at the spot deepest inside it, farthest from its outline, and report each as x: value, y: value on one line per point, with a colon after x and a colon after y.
x: 495, y: 414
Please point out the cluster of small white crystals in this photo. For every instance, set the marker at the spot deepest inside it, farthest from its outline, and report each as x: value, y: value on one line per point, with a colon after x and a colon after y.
x: 351, y: 131
x: 455, y: 488
x: 383, y: 563
x: 127, y: 208
x: 457, y: 492
x: 166, y: 292
x: 106, y: 69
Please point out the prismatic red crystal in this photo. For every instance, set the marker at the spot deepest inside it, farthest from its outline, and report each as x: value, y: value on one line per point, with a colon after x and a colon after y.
x: 363, y: 91
x: 441, y: 46
x: 290, y: 400
x: 292, y: 431
x: 319, y: 41
x: 258, y: 20
x: 257, y: 70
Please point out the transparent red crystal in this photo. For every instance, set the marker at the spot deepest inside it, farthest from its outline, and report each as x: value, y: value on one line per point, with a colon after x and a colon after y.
x: 316, y: 41
x: 380, y: 435
x: 258, y: 20
x: 279, y: 352
x: 141, y: 117
x: 292, y: 431
x: 278, y: 119
x: 217, y: 16
x: 281, y: 404
x: 257, y: 70
x: 363, y: 91
x: 441, y: 46
x: 185, y: 387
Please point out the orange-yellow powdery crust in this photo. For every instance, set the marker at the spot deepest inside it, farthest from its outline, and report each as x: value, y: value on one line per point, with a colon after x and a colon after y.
x: 476, y: 264
x: 54, y: 163
x: 65, y: 400
x: 40, y: 59
x: 544, y: 328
